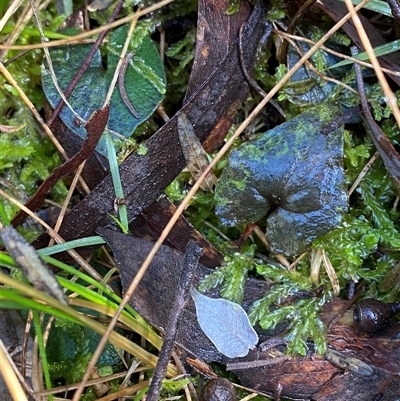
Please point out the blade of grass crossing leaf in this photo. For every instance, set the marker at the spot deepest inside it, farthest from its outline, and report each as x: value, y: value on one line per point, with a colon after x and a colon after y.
x: 115, y: 338
x: 92, y: 282
x: 7, y: 261
x: 20, y: 301
x: 88, y: 241
x: 85, y: 292
x: 382, y: 50
x: 96, y: 284
x: 380, y: 7
x: 148, y: 334
x: 42, y: 351
x: 30, y: 263
x: 119, y: 193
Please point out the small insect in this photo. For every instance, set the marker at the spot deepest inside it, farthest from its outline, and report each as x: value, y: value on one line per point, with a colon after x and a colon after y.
x: 77, y: 122
x: 118, y: 202
x: 121, y: 84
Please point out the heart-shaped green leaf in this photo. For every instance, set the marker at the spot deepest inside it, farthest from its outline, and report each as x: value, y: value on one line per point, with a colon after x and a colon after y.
x: 144, y: 84
x: 294, y: 174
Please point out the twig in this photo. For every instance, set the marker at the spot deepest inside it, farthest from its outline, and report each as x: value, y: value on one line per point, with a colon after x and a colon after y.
x: 335, y: 53
x: 232, y: 366
x: 364, y: 171
x: 388, y: 153
x: 121, y: 84
x: 390, y: 97
x: 395, y: 7
x: 302, y: 10
x: 189, y: 266
x: 249, y: 78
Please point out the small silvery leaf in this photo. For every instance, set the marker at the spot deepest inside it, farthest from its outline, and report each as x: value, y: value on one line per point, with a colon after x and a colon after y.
x: 226, y: 324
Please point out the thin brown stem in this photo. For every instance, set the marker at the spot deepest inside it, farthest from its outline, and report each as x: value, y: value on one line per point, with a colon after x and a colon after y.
x: 121, y: 84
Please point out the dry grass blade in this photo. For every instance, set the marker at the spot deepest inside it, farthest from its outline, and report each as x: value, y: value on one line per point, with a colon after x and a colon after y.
x: 390, y: 97
x: 10, y: 377
x: 331, y: 274
x: 335, y: 53
x: 362, y: 173
x: 386, y: 150
x: 195, y: 156
x: 391, y: 279
x: 78, y: 38
x: 27, y: 258
x: 86, y: 266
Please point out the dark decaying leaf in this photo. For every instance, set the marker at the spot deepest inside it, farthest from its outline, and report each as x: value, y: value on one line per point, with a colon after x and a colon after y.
x: 195, y: 156
x: 95, y: 128
x: 226, y: 324
x: 309, y: 378
x: 295, y: 173
x: 27, y: 258
x: 144, y: 83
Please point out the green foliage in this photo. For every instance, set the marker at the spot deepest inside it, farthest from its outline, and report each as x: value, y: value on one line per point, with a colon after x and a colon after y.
x: 70, y: 361
x: 233, y: 7
x: 26, y: 159
x: 231, y: 275
x: 276, y: 10
x: 174, y: 385
x: 306, y: 325
x: 301, y: 315
x: 182, y: 51
x: 369, y: 225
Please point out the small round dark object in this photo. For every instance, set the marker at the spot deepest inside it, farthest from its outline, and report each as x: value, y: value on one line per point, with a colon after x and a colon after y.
x: 218, y: 390
x: 371, y: 315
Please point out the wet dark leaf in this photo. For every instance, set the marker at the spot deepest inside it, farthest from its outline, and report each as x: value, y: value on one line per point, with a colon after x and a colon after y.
x: 294, y: 174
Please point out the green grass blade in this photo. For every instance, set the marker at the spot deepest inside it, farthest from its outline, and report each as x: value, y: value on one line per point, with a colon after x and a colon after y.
x: 42, y: 351
x: 119, y: 193
x: 89, y: 241
x: 380, y: 7
x: 379, y: 51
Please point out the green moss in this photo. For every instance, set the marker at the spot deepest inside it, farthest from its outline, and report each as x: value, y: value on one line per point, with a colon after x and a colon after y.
x: 26, y: 159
